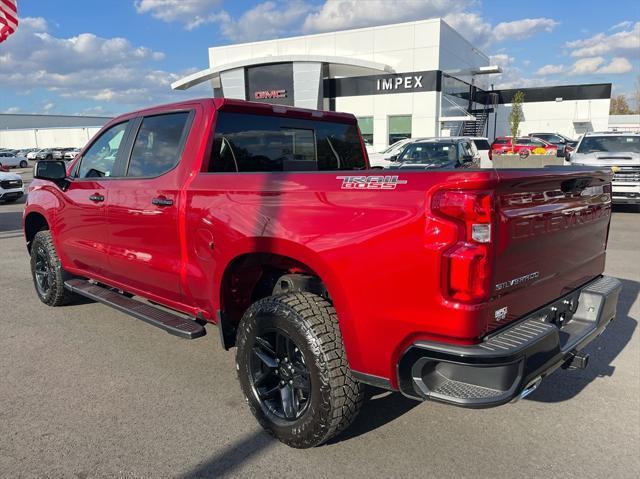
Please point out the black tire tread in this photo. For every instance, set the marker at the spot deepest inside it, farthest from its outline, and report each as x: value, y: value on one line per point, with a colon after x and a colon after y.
x: 318, y: 317
x: 60, y: 295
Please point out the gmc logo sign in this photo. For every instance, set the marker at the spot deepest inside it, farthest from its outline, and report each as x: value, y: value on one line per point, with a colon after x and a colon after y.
x: 399, y: 83
x: 267, y: 94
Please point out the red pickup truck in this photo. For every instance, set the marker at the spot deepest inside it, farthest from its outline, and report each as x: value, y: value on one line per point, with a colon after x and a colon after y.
x: 465, y: 286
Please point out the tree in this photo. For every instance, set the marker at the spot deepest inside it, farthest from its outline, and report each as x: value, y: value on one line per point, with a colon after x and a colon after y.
x: 515, y: 117
x: 619, y: 106
x: 636, y: 94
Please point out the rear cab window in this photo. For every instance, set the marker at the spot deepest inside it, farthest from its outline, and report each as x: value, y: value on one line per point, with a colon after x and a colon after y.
x: 247, y: 142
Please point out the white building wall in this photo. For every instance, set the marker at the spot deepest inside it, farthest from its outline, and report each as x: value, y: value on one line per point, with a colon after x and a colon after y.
x: 47, y: 137
x: 405, y: 47
x: 568, y: 117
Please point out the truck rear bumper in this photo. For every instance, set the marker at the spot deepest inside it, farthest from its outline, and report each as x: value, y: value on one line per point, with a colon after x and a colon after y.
x: 512, y: 362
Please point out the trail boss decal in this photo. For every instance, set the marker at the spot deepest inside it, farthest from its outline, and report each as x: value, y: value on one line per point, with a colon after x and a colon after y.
x: 370, y: 182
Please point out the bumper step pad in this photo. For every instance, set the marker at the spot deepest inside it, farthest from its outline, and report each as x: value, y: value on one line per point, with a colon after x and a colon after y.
x: 510, y: 363
x: 170, y: 322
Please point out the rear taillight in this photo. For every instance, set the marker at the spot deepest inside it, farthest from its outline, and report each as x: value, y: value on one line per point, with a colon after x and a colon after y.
x: 466, y: 264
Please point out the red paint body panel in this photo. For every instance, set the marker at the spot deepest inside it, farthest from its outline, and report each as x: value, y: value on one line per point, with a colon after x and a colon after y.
x: 510, y: 147
x: 378, y: 252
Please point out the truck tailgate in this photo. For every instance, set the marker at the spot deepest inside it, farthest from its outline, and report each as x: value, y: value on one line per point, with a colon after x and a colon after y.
x: 552, y: 228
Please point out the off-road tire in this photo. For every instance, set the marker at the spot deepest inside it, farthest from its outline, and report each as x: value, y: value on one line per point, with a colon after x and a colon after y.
x: 311, y: 323
x: 56, y: 294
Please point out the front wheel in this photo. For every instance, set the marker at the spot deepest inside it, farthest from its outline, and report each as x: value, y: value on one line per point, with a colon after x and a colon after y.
x: 23, y: 164
x: 293, y: 369
x: 47, y: 272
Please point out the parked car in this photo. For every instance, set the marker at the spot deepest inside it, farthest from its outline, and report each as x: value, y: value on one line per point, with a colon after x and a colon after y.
x: 523, y: 146
x: 621, y: 152
x: 71, y: 153
x: 451, y: 285
x: 49, y: 154
x: 482, y: 149
x: 11, y: 187
x: 12, y: 161
x: 437, y: 153
x: 32, y: 154
x: 565, y: 145
x: 383, y: 159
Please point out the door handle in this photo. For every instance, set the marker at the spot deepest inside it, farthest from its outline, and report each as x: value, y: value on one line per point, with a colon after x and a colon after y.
x: 96, y: 198
x: 162, y: 201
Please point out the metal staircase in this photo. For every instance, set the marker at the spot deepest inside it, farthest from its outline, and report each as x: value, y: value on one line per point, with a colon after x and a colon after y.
x: 478, y: 126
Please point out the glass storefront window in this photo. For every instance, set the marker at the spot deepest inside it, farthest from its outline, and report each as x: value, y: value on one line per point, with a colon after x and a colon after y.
x: 399, y: 128
x: 366, y: 129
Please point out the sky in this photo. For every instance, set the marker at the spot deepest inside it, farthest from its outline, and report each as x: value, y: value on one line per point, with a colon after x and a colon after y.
x: 105, y: 58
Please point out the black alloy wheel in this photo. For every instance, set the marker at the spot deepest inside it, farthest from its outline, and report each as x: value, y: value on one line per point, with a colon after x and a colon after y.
x: 293, y: 370
x: 279, y: 376
x: 47, y: 271
x: 44, y: 274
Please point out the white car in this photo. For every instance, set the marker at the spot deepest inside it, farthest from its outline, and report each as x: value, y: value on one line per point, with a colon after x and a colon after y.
x: 621, y: 152
x: 32, y: 154
x: 383, y: 159
x: 11, y: 187
x: 483, y: 147
x: 12, y: 161
x: 71, y: 154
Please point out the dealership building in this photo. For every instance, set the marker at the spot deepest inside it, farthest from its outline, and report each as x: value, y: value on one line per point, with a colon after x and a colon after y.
x: 412, y: 79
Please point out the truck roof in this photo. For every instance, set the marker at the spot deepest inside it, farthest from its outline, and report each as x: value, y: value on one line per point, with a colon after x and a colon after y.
x: 245, y: 106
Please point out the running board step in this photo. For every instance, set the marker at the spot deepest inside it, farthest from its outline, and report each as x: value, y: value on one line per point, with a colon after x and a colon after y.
x: 171, y: 323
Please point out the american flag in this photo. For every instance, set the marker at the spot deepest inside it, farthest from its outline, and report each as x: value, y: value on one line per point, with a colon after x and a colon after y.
x: 8, y: 18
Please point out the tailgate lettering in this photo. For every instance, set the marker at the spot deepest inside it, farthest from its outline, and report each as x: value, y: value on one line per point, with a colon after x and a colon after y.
x: 540, y: 224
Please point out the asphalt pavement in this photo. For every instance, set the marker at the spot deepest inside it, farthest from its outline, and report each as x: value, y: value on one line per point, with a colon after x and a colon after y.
x: 88, y: 392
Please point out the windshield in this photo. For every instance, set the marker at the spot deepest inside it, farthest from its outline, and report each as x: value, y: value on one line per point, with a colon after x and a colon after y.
x: 429, y: 153
x: 610, y: 144
x: 395, y: 146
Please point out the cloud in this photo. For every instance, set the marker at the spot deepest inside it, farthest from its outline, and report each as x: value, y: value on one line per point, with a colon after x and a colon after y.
x: 344, y: 14
x: 522, y: 29
x: 191, y: 13
x: 625, y: 24
x: 513, y: 76
x: 85, y: 66
x: 12, y: 110
x: 550, y: 70
x: 586, y: 66
x: 617, y: 66
x: 265, y: 20
x: 598, y: 65
x: 624, y: 43
x: 471, y: 26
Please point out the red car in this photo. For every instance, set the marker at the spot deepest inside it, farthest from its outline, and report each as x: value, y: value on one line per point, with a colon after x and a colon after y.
x: 452, y: 285
x: 524, y: 147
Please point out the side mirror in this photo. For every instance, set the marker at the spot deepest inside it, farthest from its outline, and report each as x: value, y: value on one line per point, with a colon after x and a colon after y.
x: 52, y: 170
x: 393, y: 158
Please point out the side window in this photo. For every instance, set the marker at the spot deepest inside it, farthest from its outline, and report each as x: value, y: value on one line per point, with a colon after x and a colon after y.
x: 99, y: 160
x: 261, y: 143
x: 158, y: 145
